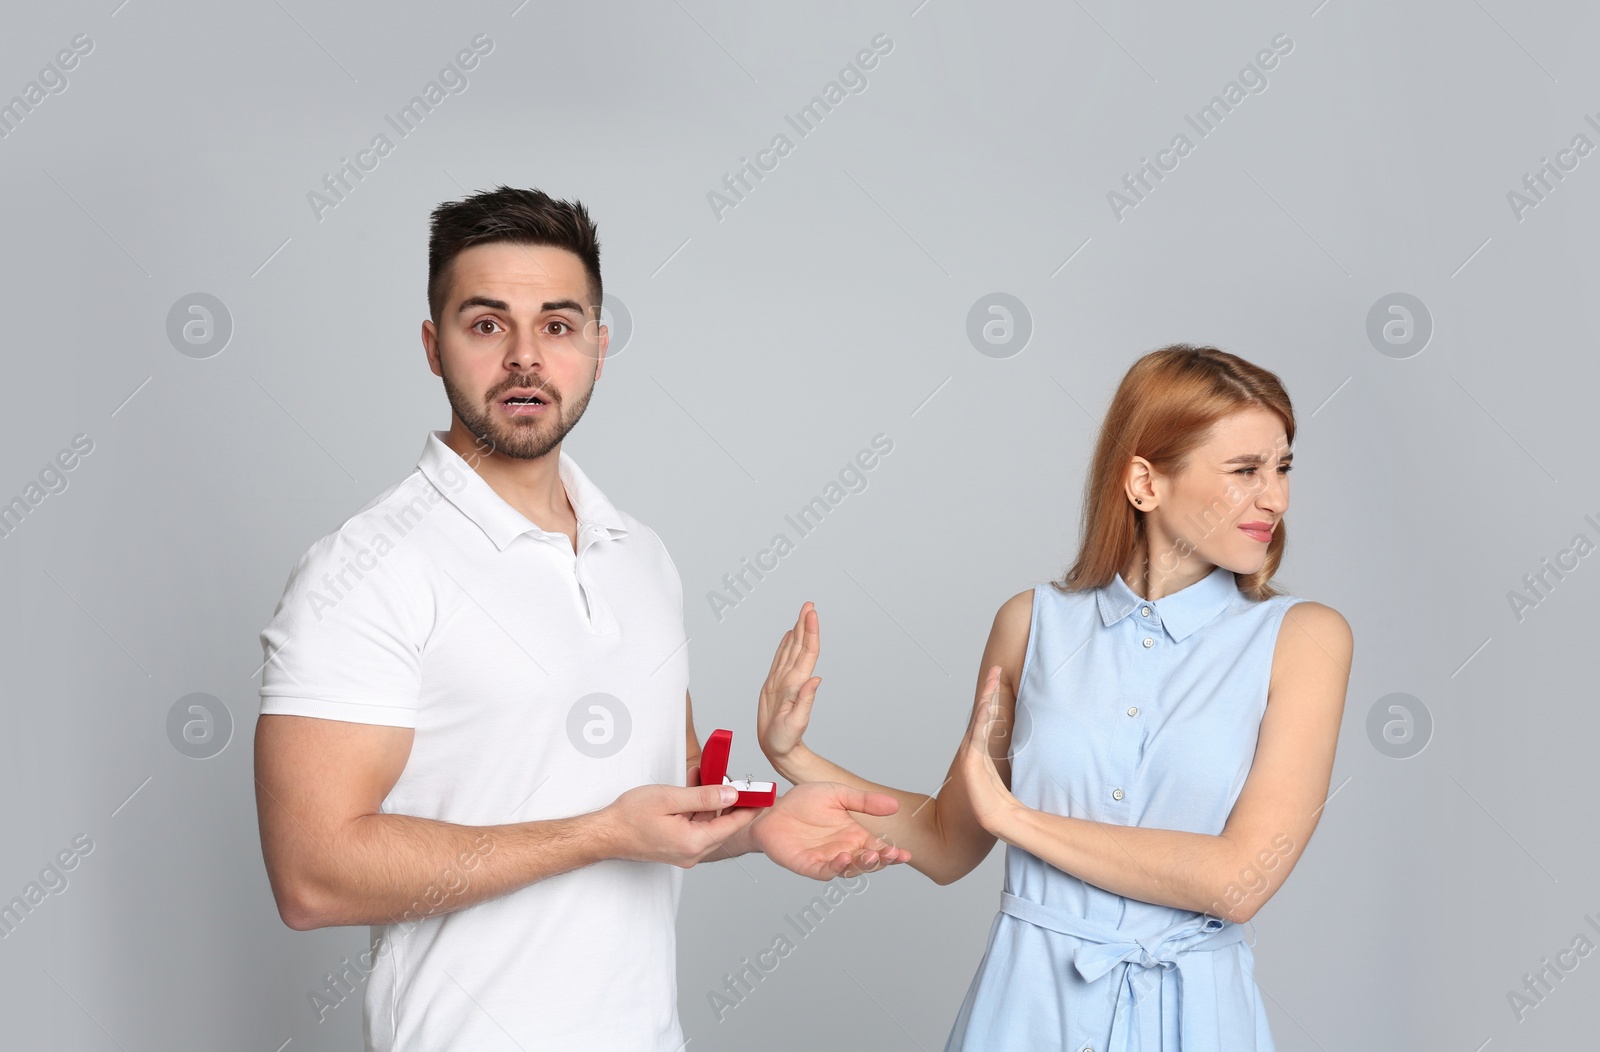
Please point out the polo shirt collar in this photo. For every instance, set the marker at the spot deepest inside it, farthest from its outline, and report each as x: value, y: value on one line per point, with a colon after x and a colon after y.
x: 478, y: 501
x: 1182, y: 612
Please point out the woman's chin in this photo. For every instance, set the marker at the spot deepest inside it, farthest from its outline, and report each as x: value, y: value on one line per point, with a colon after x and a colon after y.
x: 1243, y: 563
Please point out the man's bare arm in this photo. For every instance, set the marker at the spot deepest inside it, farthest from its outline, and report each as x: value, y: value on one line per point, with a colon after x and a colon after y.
x: 333, y: 858
x: 691, y: 745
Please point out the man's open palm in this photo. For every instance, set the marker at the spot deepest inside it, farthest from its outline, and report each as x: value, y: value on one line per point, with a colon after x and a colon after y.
x: 811, y: 831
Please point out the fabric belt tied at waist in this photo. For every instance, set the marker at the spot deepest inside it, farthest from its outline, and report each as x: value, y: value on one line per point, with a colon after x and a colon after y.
x: 1103, y: 948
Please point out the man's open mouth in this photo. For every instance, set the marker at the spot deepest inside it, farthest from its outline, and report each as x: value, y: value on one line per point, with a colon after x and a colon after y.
x: 524, y: 403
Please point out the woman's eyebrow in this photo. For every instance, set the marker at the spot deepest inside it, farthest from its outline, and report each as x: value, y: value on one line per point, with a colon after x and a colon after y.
x: 1256, y: 458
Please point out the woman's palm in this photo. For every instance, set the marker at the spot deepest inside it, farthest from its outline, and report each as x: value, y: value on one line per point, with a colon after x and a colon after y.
x: 784, y: 710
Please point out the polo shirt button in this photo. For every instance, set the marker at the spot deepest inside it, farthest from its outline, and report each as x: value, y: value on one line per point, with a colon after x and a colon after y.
x: 1116, y: 794
x: 1144, y: 611
x: 1133, y: 710
x: 1148, y: 642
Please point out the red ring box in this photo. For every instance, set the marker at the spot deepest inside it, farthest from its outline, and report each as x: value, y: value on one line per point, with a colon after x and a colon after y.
x: 714, y: 771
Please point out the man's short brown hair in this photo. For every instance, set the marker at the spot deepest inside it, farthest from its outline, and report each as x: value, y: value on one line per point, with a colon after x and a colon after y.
x: 528, y: 217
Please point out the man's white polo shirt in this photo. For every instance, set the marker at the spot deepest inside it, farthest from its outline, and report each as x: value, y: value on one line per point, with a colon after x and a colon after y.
x: 541, y: 684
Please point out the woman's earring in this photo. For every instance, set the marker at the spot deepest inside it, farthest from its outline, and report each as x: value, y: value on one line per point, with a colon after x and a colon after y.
x: 1137, y: 500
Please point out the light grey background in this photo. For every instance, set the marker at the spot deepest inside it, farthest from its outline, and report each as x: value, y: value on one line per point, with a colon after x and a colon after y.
x: 768, y: 347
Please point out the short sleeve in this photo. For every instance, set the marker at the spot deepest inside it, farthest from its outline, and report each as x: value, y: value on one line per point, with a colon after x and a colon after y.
x: 344, y: 642
x: 669, y: 567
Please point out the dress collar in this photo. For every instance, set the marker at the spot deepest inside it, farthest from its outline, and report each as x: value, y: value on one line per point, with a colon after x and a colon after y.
x: 1182, y: 612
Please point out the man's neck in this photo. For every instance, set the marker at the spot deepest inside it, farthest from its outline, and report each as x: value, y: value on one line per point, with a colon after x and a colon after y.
x: 532, y: 487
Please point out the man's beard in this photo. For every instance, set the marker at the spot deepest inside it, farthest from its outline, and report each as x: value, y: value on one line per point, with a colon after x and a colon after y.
x: 528, y: 440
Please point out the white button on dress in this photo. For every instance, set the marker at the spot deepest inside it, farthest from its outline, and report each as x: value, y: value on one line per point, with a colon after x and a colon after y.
x: 1070, y: 964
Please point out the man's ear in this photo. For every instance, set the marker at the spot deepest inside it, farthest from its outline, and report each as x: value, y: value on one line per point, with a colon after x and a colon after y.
x: 602, y: 343
x: 430, y: 345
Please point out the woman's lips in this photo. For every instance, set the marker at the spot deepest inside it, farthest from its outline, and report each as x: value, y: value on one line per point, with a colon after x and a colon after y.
x: 1264, y: 536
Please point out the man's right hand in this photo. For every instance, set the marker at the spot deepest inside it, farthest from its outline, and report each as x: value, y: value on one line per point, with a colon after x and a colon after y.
x: 667, y: 823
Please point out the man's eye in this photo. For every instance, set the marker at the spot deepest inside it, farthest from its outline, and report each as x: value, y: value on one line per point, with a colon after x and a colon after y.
x: 565, y: 328
x: 482, y: 321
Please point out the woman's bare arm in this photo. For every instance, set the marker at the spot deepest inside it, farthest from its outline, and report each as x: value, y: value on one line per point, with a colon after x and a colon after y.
x: 942, y: 833
x: 1232, y: 874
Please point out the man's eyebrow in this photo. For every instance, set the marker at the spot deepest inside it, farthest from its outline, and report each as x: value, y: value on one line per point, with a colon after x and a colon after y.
x: 1256, y: 458
x: 505, y: 308
x: 482, y: 301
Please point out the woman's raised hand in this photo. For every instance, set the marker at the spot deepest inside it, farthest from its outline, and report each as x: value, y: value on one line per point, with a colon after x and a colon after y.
x: 991, y: 798
x: 784, y: 709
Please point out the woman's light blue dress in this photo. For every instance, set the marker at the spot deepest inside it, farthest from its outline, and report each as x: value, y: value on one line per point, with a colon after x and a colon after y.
x: 1134, y: 713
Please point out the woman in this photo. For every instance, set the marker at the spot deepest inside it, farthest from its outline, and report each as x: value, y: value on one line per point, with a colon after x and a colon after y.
x: 1175, y: 723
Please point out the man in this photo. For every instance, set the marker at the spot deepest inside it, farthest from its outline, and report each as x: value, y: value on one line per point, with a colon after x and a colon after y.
x: 470, y: 737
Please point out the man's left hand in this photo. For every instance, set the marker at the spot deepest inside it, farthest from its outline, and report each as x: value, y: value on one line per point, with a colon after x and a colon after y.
x: 811, y: 831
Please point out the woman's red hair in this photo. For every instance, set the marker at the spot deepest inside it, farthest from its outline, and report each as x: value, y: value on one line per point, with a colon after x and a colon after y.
x: 1163, y: 410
